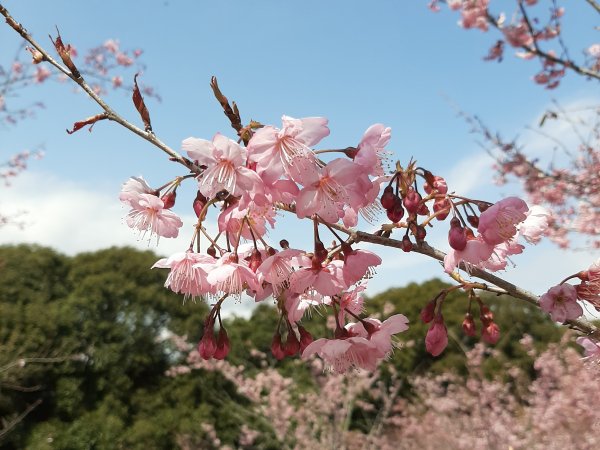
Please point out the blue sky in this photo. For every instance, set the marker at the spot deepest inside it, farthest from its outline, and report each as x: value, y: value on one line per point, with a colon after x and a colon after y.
x: 357, y: 63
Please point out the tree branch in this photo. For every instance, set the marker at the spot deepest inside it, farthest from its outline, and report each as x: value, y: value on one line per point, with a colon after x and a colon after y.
x: 110, y: 113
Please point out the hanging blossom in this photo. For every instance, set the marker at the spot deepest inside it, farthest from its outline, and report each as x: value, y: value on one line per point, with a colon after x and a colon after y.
x: 148, y: 213
x: 286, y: 151
x: 188, y: 274
x: 361, y: 349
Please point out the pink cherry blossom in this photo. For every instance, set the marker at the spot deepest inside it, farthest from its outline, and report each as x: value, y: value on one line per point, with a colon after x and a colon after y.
x: 326, y: 280
x: 358, y: 264
x: 133, y: 187
x: 230, y: 277
x: 328, y: 194
x: 287, y: 150
x: 475, y: 252
x: 188, y: 273
x: 342, y: 354
x: 498, y: 223
x: 297, y: 304
x: 225, y: 166
x: 148, y: 215
x: 383, y: 331
x: 370, y: 153
x: 276, y: 269
x: 561, y: 303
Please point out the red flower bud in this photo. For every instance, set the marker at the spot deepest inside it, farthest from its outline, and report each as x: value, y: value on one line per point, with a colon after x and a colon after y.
x: 169, y: 199
x: 255, y: 260
x: 223, y: 345
x: 457, y: 238
x: 199, y: 203
x: 428, y: 311
x: 207, y: 345
x: 441, y: 205
x: 276, y: 349
x: 396, y: 212
x: 437, y: 336
x: 305, y: 338
x: 292, y: 344
x: 468, y: 325
x: 421, y: 233
x: 490, y: 333
x: 406, y: 244
x: 412, y: 201
x: 387, y: 198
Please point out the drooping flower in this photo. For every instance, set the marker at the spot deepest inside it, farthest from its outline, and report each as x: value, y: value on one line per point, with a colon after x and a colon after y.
x: 436, y: 339
x: 475, y: 252
x: 499, y: 222
x: 287, y: 150
x: 148, y: 215
x: 358, y: 264
x: 367, y: 343
x: 561, y: 303
x: 231, y: 277
x: 188, y: 273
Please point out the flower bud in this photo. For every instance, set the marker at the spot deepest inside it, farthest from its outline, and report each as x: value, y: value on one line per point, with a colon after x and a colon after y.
x: 421, y: 233
x: 207, y: 345
x: 284, y: 244
x: 490, y: 333
x: 255, y: 260
x: 457, y: 238
x: 292, y: 344
x: 396, y: 212
x: 305, y: 338
x: 169, y: 199
x: 387, y: 198
x: 407, y: 245
x: 442, y: 204
x: 276, y: 349
x: 468, y: 325
x: 212, y: 251
x: 473, y: 221
x: 199, y: 203
x: 437, y: 336
x: 428, y: 311
x: 223, y: 345
x: 412, y: 201
x: 486, y: 315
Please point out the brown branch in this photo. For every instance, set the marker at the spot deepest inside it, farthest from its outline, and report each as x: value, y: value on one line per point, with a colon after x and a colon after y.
x: 541, y: 53
x: 4, y: 431
x: 110, y: 113
x: 594, y: 4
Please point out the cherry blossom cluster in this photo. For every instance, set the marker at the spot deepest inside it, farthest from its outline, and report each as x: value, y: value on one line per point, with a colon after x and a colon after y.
x: 526, y: 31
x: 279, y: 170
x: 571, y: 190
x: 554, y: 410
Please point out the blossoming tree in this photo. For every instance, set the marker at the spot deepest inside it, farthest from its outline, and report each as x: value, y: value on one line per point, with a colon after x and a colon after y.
x: 270, y: 168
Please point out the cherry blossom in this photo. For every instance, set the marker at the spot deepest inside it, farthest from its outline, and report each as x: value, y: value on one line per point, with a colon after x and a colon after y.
x: 188, y: 273
x: 287, y: 150
x: 147, y: 214
x: 561, y: 303
x: 498, y: 223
